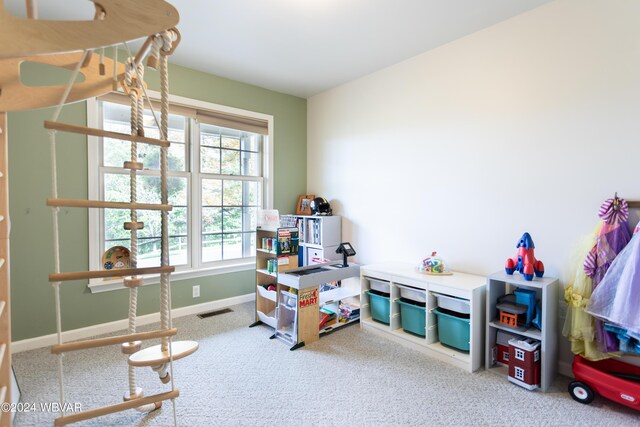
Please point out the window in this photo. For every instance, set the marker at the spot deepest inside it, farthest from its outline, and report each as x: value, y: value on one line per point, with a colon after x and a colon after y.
x: 219, y: 161
x: 519, y: 372
x: 505, y: 355
x: 519, y: 354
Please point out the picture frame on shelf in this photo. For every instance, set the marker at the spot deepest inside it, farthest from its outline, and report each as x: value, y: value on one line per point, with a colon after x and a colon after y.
x: 304, y: 204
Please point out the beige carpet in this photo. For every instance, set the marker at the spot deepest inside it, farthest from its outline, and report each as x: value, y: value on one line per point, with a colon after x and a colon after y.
x: 348, y: 378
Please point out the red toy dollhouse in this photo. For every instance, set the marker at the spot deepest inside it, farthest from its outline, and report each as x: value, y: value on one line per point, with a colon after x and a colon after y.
x: 524, y: 362
x: 501, y: 350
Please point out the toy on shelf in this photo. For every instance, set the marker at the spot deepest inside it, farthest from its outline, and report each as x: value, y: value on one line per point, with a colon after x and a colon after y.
x: 611, y: 378
x: 434, y: 265
x: 524, y: 362
x: 525, y: 262
x: 519, y: 310
x: 511, y: 313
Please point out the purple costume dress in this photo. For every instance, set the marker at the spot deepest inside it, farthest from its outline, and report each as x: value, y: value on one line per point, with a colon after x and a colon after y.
x: 617, y: 299
x: 613, y: 237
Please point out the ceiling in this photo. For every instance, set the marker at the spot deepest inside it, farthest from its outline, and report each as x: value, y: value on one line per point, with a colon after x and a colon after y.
x: 304, y: 47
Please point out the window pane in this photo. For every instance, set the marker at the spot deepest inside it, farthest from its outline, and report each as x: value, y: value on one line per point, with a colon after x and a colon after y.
x: 149, y: 252
x: 209, y: 160
x: 232, y: 193
x: 178, y: 222
x: 149, y: 156
x: 230, y: 142
x: 178, y: 251
x: 251, y: 164
x: 209, y: 135
x: 230, y: 162
x: 116, y: 152
x: 211, y: 220
x: 117, y: 118
x: 177, y: 188
x: 211, y: 192
x: 176, y: 156
x: 116, y: 187
x: 114, y: 220
x: 232, y: 220
x: 232, y: 246
x: 152, y: 224
x: 211, y: 247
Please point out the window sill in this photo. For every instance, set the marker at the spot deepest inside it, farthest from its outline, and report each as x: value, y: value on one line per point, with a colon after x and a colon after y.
x: 99, y: 285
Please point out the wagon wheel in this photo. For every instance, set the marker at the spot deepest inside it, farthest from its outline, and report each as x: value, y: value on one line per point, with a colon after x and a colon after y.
x: 581, y: 392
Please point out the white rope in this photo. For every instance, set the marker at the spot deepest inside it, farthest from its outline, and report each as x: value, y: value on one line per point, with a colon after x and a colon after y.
x: 56, y: 233
x: 165, y: 286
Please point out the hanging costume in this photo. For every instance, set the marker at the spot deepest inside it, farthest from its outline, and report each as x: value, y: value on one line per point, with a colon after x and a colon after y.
x: 595, y: 255
x: 612, y: 238
x: 616, y: 300
x: 579, y: 325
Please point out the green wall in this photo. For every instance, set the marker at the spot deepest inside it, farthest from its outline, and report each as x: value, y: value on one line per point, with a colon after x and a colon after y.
x: 33, y: 311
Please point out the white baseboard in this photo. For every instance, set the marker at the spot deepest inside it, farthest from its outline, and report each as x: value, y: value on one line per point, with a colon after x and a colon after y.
x: 117, y: 325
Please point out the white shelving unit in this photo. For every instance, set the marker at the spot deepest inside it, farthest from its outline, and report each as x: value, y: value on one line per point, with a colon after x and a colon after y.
x: 546, y: 289
x: 319, y: 238
x: 461, y: 285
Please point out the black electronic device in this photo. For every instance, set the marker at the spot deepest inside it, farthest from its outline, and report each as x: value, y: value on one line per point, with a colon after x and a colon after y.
x: 346, y: 250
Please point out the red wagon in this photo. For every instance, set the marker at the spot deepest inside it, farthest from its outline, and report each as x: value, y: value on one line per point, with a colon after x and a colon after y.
x: 610, y: 378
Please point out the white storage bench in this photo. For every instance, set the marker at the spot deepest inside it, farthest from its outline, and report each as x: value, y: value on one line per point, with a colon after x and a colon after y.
x: 460, y: 291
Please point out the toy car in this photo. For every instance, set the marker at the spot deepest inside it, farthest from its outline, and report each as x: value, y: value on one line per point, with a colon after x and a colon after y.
x: 610, y: 378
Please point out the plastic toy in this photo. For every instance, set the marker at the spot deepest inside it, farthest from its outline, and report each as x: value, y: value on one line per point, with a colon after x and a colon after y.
x: 610, y: 378
x: 524, y: 362
x: 525, y: 262
x: 434, y: 265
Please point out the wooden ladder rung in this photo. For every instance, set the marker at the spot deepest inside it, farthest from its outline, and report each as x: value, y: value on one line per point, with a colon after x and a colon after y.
x: 104, y: 133
x: 2, y: 305
x: 82, y: 203
x: 1, y: 262
x: 123, y: 406
x: 3, y: 349
x: 79, y: 275
x: 1, y: 218
x: 118, y: 339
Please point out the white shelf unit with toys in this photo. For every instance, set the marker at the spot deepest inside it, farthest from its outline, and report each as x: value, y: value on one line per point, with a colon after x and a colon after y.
x: 546, y: 288
x: 467, y: 287
x: 319, y: 238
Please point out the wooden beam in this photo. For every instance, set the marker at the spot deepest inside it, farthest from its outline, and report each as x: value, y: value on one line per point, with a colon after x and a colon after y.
x: 118, y: 407
x: 82, y: 203
x: 634, y: 204
x: 63, y: 127
x: 119, y: 339
x: 79, y: 275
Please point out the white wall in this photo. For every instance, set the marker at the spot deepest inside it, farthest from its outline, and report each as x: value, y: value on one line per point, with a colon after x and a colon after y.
x: 525, y: 126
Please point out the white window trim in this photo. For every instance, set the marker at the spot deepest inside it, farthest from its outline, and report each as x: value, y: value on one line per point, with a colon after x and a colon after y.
x: 184, y: 272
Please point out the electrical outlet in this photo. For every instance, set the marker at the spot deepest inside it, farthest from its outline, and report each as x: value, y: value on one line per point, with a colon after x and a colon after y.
x: 196, y: 291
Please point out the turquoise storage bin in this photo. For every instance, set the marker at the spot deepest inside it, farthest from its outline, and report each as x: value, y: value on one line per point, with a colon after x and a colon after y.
x: 380, y: 307
x: 413, y: 317
x: 453, y: 331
